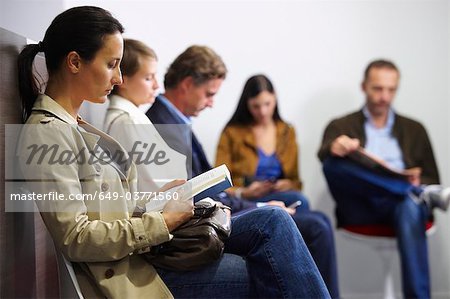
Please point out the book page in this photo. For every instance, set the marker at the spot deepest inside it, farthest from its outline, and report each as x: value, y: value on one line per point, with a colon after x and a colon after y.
x: 214, y: 180
x: 205, y: 180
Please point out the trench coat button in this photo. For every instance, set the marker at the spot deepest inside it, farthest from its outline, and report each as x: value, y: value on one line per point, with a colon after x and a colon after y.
x: 105, y: 187
x: 97, y: 167
x: 109, y: 273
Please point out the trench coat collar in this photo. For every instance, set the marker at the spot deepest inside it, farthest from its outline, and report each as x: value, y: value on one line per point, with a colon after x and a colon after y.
x: 46, y: 103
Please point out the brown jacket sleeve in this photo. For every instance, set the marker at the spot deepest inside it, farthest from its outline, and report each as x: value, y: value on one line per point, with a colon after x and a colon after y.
x: 351, y: 125
x: 416, y: 148
x: 330, y: 134
x: 287, y: 151
x: 430, y: 174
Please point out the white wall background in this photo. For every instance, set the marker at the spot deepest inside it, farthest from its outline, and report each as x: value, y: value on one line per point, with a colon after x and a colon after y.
x: 315, y: 53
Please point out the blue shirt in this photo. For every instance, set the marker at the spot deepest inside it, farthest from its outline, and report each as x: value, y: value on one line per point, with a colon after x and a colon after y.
x: 269, y: 167
x: 381, y: 143
x: 174, y: 109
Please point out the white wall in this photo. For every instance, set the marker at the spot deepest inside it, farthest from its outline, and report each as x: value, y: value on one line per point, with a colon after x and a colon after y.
x: 315, y: 53
x: 29, y: 18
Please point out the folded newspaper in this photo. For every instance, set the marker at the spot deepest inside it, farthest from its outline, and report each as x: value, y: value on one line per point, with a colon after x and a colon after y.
x: 204, y: 185
x: 362, y: 157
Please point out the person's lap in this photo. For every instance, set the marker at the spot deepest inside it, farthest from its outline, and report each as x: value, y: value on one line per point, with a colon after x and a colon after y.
x: 226, y: 278
x: 362, y: 181
x: 364, y: 197
x: 258, y: 266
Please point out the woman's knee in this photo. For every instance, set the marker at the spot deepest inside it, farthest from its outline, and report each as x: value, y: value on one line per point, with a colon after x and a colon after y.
x: 274, y: 218
x: 272, y: 212
x: 315, y: 226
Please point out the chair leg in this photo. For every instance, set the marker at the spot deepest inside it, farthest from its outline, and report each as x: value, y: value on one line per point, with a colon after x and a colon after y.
x: 386, y: 255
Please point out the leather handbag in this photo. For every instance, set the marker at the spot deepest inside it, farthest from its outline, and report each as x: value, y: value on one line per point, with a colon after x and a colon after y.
x: 196, y: 243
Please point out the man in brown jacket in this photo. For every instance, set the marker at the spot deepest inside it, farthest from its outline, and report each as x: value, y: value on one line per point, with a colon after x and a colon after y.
x: 366, y: 197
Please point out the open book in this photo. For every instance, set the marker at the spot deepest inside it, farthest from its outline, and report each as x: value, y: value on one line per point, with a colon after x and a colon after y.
x: 362, y: 157
x: 204, y: 185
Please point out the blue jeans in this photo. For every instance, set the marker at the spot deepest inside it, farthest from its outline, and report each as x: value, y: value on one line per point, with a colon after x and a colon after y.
x: 363, y: 197
x: 317, y: 232
x: 256, y: 263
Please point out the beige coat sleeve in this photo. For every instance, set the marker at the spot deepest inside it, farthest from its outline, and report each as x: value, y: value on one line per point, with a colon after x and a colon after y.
x: 288, y: 155
x: 89, y: 229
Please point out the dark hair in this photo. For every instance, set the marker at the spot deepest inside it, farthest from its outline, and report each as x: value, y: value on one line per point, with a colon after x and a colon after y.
x: 199, y: 62
x: 380, y: 63
x: 79, y: 29
x: 133, y: 51
x: 252, y: 88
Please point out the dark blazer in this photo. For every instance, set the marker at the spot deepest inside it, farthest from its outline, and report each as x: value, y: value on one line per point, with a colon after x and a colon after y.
x: 181, y: 138
x: 411, y: 135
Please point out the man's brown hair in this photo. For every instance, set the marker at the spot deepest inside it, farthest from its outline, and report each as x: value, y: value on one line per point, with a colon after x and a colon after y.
x: 199, y: 62
x: 380, y: 63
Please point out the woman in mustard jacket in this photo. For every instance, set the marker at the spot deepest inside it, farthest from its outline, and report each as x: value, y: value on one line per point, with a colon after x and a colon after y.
x: 261, y: 152
x: 260, y: 149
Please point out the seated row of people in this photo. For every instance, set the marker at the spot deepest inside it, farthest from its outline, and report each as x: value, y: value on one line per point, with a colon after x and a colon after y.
x: 174, y: 107
x: 265, y: 253
x: 261, y: 151
x: 257, y: 145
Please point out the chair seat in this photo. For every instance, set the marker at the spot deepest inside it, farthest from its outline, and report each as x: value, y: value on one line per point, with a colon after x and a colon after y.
x: 378, y: 230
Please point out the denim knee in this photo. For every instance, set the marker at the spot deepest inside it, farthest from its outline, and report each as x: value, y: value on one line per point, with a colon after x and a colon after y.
x: 409, y: 218
x: 315, y: 226
x: 273, y: 212
x: 409, y: 211
x: 273, y: 217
